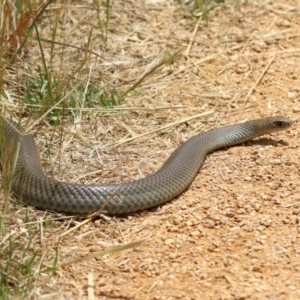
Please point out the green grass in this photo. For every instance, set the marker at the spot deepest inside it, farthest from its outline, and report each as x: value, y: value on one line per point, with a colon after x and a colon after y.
x: 104, y: 23
x: 20, y: 257
x: 199, y: 8
x: 44, y: 91
x: 17, y: 266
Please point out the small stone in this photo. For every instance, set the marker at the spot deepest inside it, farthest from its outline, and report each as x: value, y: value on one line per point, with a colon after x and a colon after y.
x: 223, y: 220
x: 261, y: 228
x: 181, y: 68
x: 241, y: 211
x: 257, y: 269
x: 169, y: 241
x: 296, y: 211
x: 285, y: 221
x: 276, y: 199
x: 275, y: 161
x: 292, y: 95
x: 209, y: 223
x: 292, y: 287
x: 296, y: 109
x: 273, y: 185
x: 229, y: 213
x: 195, y: 233
x: 256, y: 48
x: 256, y: 206
x: 266, y: 222
x: 177, y: 220
x: 195, y: 70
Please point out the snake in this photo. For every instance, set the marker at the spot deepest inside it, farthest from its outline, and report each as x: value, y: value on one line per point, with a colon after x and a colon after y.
x: 21, y: 160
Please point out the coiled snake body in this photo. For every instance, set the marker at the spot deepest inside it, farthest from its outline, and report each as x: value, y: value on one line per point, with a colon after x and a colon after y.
x: 19, y: 154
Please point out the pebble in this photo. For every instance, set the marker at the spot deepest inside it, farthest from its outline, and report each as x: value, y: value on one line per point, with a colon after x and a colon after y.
x: 257, y: 269
x: 169, y: 241
x: 177, y: 220
x: 261, y: 228
x: 196, y: 233
x: 189, y: 223
x: 273, y: 185
x: 296, y: 109
x: 292, y: 287
x: 292, y: 95
x: 275, y: 161
x: 296, y: 211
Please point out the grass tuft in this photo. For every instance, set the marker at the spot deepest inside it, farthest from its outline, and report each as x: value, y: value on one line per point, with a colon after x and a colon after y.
x: 199, y: 8
x: 17, y: 267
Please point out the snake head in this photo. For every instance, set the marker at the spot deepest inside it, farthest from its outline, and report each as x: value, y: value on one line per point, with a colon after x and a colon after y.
x: 278, y: 123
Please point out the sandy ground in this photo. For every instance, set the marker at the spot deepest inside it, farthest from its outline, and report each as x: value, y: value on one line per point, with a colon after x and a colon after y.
x: 234, y: 234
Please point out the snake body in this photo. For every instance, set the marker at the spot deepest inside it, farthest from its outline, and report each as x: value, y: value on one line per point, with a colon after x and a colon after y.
x: 20, y: 156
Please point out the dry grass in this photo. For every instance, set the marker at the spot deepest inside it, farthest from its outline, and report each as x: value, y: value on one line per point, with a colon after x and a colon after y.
x: 235, y: 233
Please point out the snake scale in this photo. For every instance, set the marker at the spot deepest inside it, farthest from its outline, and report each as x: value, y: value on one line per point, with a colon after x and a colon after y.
x: 20, y: 156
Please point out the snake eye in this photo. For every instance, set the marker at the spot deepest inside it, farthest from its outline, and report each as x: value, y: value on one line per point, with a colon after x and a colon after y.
x: 279, y: 123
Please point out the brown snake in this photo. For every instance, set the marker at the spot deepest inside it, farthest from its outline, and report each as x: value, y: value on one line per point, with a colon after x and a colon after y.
x: 20, y: 156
